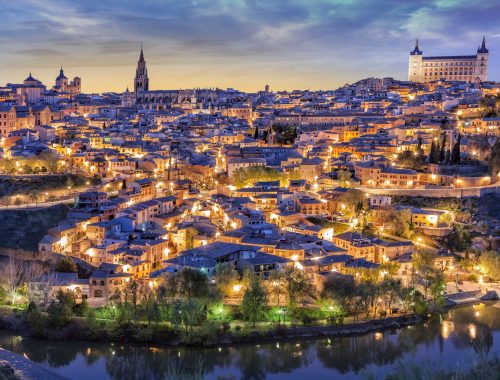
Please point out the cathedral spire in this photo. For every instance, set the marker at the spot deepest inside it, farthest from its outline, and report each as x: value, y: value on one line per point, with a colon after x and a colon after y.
x: 416, y: 51
x: 483, y: 49
x: 141, y: 57
x: 141, y: 80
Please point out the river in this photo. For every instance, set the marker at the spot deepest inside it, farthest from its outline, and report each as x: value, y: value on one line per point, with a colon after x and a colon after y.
x: 455, y: 342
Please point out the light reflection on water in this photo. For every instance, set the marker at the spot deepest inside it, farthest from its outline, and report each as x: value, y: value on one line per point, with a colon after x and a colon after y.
x: 463, y: 334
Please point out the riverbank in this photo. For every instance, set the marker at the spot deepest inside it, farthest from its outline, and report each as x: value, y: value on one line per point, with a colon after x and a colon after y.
x: 330, y: 331
x: 215, y: 335
x: 17, y: 367
x: 453, y: 345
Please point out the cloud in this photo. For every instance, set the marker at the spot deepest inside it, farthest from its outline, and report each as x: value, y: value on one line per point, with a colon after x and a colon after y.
x: 337, y: 40
x: 40, y: 52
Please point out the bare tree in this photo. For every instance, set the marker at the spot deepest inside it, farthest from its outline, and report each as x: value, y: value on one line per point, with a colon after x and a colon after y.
x: 14, y: 277
x: 37, y: 279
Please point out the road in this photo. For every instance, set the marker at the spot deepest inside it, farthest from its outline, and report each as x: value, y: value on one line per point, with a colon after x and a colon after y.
x: 69, y: 199
x: 39, y: 204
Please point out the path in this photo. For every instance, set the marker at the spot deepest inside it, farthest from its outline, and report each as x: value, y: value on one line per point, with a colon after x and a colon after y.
x: 24, y: 368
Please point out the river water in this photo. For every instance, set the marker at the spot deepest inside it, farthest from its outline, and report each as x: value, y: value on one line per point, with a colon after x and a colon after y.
x: 458, y: 340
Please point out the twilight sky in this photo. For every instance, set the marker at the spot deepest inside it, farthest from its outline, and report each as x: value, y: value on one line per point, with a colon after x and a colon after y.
x: 244, y: 44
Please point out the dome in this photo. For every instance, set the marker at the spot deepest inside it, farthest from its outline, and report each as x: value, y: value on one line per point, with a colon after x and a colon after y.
x: 61, y: 75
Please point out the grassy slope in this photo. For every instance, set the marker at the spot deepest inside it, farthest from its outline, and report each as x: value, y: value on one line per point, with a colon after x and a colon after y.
x: 23, y: 229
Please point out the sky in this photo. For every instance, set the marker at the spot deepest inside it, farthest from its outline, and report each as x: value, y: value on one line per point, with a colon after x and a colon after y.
x: 243, y: 44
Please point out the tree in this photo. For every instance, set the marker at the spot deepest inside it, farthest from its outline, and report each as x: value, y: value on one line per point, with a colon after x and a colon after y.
x: 455, y: 152
x: 420, y: 151
x: 447, y: 218
x: 70, y: 182
x: 3, y: 295
x: 256, y: 133
x: 253, y: 304
x: 50, y: 160
x: 339, y: 288
x: 432, y: 153
x: 297, y: 286
x: 34, y: 195
x: 443, y: 149
x: 355, y: 202
x: 344, y: 177
x: 191, y: 232
x: 459, y: 238
x: 411, y: 160
x: 150, y: 308
x: 225, y: 279
x: 276, y: 285
x: 402, y: 223
x: 219, y: 312
x: 132, y: 291
x: 490, y: 105
x: 390, y: 290
x: 66, y: 265
x: 34, y: 272
x: 334, y: 312
x: 285, y: 134
x: 60, y: 309
x: 191, y: 283
x: 426, y: 273
x: 188, y: 312
x: 494, y: 159
x: 364, y: 293
x: 490, y: 264
x: 264, y: 135
x: 246, y: 176
x: 14, y: 278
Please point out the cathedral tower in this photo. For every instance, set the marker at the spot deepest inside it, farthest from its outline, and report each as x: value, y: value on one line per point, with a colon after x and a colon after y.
x: 141, y: 81
x: 415, y: 64
x: 482, y: 62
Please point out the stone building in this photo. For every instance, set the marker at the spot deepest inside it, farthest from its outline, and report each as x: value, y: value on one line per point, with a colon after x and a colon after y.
x: 466, y: 68
x: 7, y: 120
x: 64, y: 85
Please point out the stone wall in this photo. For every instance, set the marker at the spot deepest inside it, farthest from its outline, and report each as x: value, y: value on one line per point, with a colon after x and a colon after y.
x: 437, y: 192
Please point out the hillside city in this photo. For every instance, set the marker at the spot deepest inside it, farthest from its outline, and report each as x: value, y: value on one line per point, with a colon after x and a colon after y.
x: 215, y: 210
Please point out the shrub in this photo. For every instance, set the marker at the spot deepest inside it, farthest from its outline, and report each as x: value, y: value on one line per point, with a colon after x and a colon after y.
x: 3, y: 295
x: 36, y: 320
x: 81, y: 308
x: 144, y: 334
x: 60, y: 309
x: 306, y: 316
x: 208, y: 332
x: 219, y: 312
x: 66, y: 265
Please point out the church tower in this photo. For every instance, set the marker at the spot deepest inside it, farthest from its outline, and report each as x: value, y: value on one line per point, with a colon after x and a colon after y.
x: 415, y: 65
x: 61, y: 81
x: 141, y: 81
x: 482, y: 57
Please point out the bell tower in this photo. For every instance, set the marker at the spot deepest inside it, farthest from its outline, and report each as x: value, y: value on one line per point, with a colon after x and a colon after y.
x: 482, y: 56
x: 415, y: 65
x: 141, y: 81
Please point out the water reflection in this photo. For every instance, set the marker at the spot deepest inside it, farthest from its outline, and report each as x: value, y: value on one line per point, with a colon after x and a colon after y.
x: 470, y: 329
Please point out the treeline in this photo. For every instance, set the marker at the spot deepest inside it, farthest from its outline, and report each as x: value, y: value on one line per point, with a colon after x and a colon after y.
x: 45, y: 162
x: 188, y: 308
